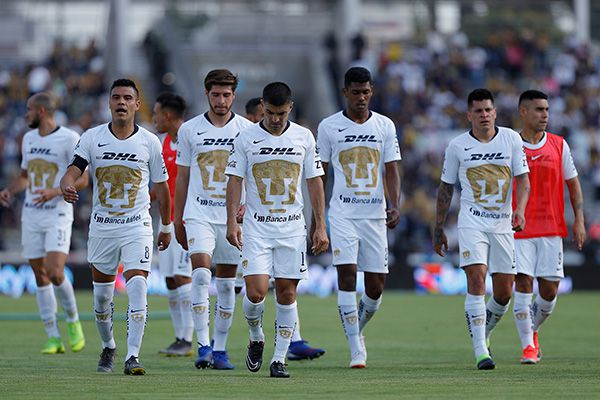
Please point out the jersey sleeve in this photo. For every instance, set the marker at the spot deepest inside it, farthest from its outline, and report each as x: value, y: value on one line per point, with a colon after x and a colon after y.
x: 184, y: 149
x: 451, y: 165
x: 24, y: 151
x: 568, y: 165
x: 237, y: 162
x: 312, y: 160
x: 82, y: 148
x: 72, y: 143
x: 391, y: 148
x: 323, y: 145
x: 157, y: 167
x: 519, y: 159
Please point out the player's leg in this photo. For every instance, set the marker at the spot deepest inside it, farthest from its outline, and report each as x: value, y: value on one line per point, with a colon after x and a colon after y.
x: 201, y: 243
x: 525, y: 256
x: 502, y: 268
x: 299, y: 348
x: 549, y: 272
x: 344, y: 242
x: 166, y: 266
x: 184, y: 292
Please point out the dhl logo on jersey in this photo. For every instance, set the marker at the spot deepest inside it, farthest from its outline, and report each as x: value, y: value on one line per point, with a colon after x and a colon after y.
x: 217, y: 142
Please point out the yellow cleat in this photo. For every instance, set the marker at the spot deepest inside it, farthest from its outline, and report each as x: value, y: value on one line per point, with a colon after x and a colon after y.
x: 76, y: 338
x: 53, y: 346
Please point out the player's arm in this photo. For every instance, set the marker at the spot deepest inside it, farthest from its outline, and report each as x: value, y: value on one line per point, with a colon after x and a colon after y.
x: 444, y: 198
x: 324, y: 180
x: 392, y: 180
x: 164, y: 207
x: 319, y: 239
x: 233, y: 196
x: 576, y: 196
x: 71, y: 177
x: 17, y: 186
x: 181, y: 189
x: 523, y: 189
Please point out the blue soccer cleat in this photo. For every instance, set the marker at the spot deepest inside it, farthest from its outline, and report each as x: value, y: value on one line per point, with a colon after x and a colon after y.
x: 205, y: 357
x: 300, y: 350
x: 221, y: 360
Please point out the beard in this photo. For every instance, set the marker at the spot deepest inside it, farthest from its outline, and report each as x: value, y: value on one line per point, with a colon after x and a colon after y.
x: 34, y: 124
x: 220, y: 111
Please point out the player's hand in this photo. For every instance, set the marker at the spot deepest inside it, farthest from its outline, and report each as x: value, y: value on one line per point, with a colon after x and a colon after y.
x: 579, y: 234
x: 163, y: 241
x: 180, y: 234
x: 319, y: 241
x: 44, y: 195
x: 239, y: 216
x: 5, y: 198
x: 234, y: 235
x: 70, y: 194
x: 440, y: 241
x: 518, y: 221
x: 393, y: 217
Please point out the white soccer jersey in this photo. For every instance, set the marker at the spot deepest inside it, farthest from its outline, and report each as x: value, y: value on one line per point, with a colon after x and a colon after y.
x: 204, y: 148
x: 273, y: 167
x: 45, y: 158
x: 568, y: 165
x: 485, y: 172
x: 121, y: 171
x: 357, y: 153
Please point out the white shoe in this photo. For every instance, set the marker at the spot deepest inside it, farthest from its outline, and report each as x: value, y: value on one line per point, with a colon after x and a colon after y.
x: 362, y: 343
x: 359, y: 360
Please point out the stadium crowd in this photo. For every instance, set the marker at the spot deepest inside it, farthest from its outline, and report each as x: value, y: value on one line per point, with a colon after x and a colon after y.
x: 420, y: 87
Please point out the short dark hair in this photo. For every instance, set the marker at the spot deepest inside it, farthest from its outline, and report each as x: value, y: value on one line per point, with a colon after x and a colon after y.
x: 358, y: 75
x: 252, y: 104
x: 220, y: 77
x: 124, y: 82
x: 277, y: 94
x: 173, y: 102
x: 479, y: 95
x: 532, y: 95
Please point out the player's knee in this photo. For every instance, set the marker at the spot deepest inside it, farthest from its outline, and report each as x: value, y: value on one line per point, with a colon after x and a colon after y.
x: 374, y: 292
x: 255, y: 295
x: 548, y: 292
x: 524, y: 283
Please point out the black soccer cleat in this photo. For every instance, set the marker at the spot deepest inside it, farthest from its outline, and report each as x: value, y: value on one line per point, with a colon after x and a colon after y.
x: 107, y: 360
x: 133, y: 367
x: 279, y: 370
x: 255, y: 356
x: 486, y: 363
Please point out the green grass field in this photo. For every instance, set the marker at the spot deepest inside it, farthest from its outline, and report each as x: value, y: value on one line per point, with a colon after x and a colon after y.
x: 418, y: 348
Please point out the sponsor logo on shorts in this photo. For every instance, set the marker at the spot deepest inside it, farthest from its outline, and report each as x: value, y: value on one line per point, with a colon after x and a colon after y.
x: 466, y: 254
x: 303, y: 270
x: 336, y: 252
x: 191, y: 241
x: 244, y: 263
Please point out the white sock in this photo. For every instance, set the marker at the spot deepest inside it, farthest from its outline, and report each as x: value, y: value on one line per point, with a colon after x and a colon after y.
x: 174, y: 311
x: 137, y: 289
x: 224, y: 308
x: 47, y: 306
x: 367, y: 307
x: 66, y: 297
x: 296, y: 337
x: 185, y: 310
x: 522, y: 314
x: 254, y: 313
x: 285, y: 323
x: 540, y: 310
x: 200, y: 304
x: 494, y: 313
x: 475, y: 313
x: 349, y: 315
x: 103, y: 309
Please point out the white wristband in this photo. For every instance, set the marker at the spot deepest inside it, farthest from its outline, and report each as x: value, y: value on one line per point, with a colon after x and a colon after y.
x: 165, y: 228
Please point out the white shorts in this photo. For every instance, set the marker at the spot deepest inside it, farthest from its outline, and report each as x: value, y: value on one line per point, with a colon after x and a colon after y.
x: 540, y: 257
x: 496, y: 250
x: 277, y: 257
x: 38, y: 239
x: 360, y: 241
x: 174, y: 260
x: 135, y: 252
x: 208, y: 238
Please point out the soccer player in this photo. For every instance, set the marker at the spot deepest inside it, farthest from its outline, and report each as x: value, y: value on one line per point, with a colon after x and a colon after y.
x: 299, y: 348
x: 362, y: 147
x: 539, y: 247
x: 123, y: 157
x: 202, y: 152
x: 47, y: 218
x: 174, y: 262
x: 273, y: 156
x: 484, y: 160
